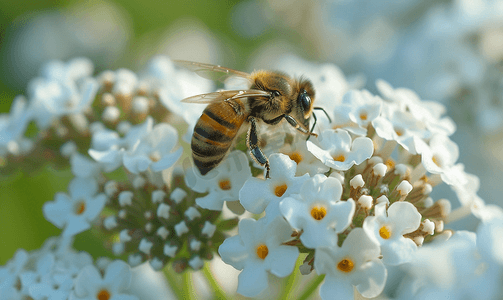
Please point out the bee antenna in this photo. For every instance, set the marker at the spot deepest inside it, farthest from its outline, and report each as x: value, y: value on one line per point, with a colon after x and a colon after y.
x: 321, y: 108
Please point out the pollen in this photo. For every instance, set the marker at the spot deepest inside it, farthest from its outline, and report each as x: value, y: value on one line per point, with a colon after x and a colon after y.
x: 262, y: 251
x: 225, y: 184
x: 80, y: 207
x: 346, y: 265
x: 296, y: 157
x: 318, y: 212
x: 363, y: 116
x: 279, y: 190
x: 385, y: 232
x: 103, y: 295
x: 340, y: 158
x: 436, y: 161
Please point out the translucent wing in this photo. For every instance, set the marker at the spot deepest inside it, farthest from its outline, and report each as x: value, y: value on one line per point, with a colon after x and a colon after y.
x: 225, y: 96
x: 209, y: 71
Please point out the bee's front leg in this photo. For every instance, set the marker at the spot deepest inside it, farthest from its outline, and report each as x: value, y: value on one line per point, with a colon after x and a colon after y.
x: 296, y: 125
x: 255, y: 152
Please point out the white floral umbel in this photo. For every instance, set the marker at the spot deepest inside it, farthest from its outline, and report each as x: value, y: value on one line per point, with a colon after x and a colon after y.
x: 259, y: 248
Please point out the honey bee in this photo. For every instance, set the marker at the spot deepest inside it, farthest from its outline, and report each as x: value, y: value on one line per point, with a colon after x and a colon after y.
x: 272, y: 97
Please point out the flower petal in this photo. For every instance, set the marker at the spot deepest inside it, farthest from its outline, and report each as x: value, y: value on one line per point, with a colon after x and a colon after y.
x: 252, y: 281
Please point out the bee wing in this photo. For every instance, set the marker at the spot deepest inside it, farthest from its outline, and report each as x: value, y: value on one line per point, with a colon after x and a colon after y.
x: 225, y: 95
x: 213, y: 72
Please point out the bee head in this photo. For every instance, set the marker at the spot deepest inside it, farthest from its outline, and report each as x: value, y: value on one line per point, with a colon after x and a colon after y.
x: 305, y: 99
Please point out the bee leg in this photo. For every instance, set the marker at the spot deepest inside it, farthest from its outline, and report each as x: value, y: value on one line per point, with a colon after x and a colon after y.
x: 312, y: 128
x: 297, y: 126
x: 252, y: 142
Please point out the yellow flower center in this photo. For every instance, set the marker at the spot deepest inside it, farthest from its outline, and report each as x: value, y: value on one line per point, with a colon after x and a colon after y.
x: 296, y: 157
x: 399, y: 131
x: 346, y: 265
x: 103, y: 295
x: 279, y: 190
x: 155, y: 156
x: 225, y: 184
x: 390, y: 163
x: 385, y: 232
x: 262, y: 251
x: 340, y: 157
x: 363, y: 116
x: 80, y: 207
x: 436, y: 161
x: 318, y: 212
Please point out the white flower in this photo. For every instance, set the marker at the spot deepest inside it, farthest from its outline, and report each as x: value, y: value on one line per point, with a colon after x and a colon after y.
x: 76, y: 211
x: 338, y: 151
x: 40, y: 273
x: 9, y: 274
x: 154, y: 150
x: 257, y: 194
x: 440, y: 155
x: 222, y: 183
x: 63, y: 89
x: 355, y: 264
x: 489, y: 240
x: 428, y: 112
x: 75, y: 69
x: 13, y: 126
x: 358, y: 108
x: 109, y: 149
x: 64, y: 97
x: 82, y: 166
x: 89, y: 285
x: 318, y: 211
x: 306, y: 161
x: 387, y: 230
x: 257, y: 249
x: 43, y: 274
x: 400, y: 126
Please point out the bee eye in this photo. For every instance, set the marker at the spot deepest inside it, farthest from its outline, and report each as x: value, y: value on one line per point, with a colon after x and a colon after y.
x: 304, y: 100
x: 275, y: 94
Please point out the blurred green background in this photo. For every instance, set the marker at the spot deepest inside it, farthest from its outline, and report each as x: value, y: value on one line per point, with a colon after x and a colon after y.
x: 145, y: 23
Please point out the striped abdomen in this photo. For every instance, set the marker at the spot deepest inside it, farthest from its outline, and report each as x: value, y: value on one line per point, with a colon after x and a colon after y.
x: 214, y: 132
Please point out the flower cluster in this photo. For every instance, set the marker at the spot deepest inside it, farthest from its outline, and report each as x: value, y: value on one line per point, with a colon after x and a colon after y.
x: 370, y: 208
x: 349, y: 203
x: 58, y: 272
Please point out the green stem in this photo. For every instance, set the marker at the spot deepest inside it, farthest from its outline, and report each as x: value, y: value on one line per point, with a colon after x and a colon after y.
x: 172, y: 282
x: 312, y: 287
x: 218, y: 293
x: 188, y: 291
x: 292, y: 280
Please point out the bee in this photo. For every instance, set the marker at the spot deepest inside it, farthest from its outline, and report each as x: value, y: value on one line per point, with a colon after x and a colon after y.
x: 271, y: 97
